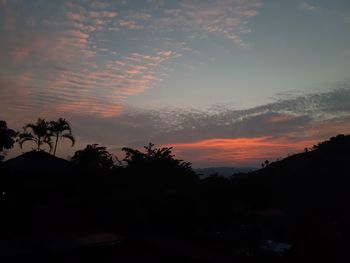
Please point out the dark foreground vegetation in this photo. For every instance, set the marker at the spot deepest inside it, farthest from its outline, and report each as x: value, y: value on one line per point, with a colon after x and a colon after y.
x: 152, y: 207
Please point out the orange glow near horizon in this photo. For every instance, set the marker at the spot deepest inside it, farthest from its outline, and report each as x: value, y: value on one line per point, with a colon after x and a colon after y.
x: 239, y: 151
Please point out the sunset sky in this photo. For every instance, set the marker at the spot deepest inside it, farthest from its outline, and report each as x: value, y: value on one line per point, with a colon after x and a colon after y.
x: 225, y: 82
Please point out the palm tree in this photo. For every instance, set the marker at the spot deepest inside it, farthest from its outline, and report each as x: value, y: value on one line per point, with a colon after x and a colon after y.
x: 61, y: 129
x: 41, y: 134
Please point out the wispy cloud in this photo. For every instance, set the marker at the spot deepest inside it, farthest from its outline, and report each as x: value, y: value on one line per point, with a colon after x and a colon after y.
x: 226, y: 18
x: 63, y: 55
x: 74, y: 67
x: 308, y: 7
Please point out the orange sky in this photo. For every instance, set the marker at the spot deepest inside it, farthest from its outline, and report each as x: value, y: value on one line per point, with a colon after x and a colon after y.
x: 240, y: 151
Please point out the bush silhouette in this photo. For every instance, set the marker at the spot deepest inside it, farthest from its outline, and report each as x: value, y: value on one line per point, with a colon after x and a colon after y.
x: 7, y: 138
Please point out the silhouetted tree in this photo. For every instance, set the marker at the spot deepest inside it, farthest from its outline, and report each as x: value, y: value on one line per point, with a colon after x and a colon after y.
x: 61, y: 129
x: 40, y: 134
x: 160, y: 165
x: 7, y: 138
x: 152, y: 154
x: 265, y: 164
x: 93, y: 158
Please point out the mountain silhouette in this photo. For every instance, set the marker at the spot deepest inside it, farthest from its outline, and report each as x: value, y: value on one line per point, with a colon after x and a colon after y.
x: 304, y: 200
x: 317, y: 178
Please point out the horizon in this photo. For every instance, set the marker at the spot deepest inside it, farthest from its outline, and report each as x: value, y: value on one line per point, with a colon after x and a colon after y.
x: 26, y: 150
x: 225, y: 82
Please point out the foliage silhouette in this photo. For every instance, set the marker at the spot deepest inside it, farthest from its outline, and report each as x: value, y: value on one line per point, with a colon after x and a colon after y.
x: 160, y: 166
x: 60, y: 129
x: 40, y: 134
x: 153, y: 155
x: 93, y: 158
x: 7, y: 138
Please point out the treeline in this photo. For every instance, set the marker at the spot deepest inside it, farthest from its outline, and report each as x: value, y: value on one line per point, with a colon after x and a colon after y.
x: 40, y: 133
x: 148, y: 192
x: 292, y: 210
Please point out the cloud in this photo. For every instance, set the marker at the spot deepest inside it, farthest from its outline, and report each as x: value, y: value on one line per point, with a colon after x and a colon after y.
x: 74, y: 67
x: 62, y: 57
x: 227, y: 136
x: 308, y: 7
x: 226, y: 18
x: 97, y: 90
x: 82, y: 60
x: 237, y: 152
x: 100, y: 4
x: 223, y: 17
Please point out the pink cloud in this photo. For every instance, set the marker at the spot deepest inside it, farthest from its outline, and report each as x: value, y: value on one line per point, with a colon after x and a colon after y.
x: 250, y: 13
x: 75, y: 16
x: 20, y: 54
x: 75, y: 90
x: 149, y: 77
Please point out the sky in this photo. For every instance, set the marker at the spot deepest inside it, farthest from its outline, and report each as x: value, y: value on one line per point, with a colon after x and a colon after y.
x: 224, y: 82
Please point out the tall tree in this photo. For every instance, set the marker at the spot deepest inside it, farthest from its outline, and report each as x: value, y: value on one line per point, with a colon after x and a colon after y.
x: 61, y: 129
x: 39, y: 133
x: 7, y: 138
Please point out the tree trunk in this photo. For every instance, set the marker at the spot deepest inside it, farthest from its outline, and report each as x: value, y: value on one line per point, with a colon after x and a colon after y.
x: 39, y: 142
x: 54, y: 151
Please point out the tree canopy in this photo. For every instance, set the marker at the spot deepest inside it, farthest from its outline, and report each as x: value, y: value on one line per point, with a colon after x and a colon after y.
x: 38, y: 132
x: 160, y: 166
x: 7, y: 138
x: 93, y: 158
x: 61, y: 129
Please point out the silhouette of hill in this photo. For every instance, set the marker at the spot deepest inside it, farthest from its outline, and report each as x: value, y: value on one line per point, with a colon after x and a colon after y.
x: 319, y: 176
x: 224, y: 171
x: 303, y: 200
x: 32, y: 181
x: 38, y: 163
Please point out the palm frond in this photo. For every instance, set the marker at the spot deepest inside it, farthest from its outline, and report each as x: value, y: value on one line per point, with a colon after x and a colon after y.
x: 25, y: 136
x: 70, y: 137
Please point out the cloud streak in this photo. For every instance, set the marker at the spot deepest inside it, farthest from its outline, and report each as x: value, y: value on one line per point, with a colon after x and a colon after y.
x: 71, y: 71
